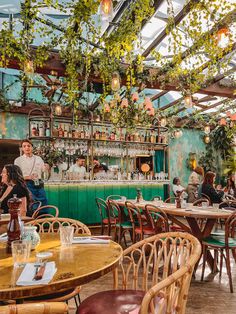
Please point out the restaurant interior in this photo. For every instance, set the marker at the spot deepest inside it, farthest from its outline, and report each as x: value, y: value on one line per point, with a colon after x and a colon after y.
x: 117, y: 156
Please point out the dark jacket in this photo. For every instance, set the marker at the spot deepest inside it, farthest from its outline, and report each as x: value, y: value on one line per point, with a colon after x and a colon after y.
x: 215, y: 197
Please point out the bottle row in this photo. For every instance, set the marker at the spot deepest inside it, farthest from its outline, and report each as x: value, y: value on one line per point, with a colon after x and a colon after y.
x: 66, y: 130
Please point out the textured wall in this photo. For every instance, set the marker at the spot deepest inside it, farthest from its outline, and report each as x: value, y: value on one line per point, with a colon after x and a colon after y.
x: 13, y: 126
x: 191, y: 141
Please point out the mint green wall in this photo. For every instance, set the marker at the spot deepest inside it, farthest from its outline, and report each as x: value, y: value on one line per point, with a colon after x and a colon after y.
x: 191, y: 141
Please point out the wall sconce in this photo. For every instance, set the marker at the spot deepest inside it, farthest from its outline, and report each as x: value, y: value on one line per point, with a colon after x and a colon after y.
x: 188, y: 101
x: 58, y: 109
x: 207, y: 139
x: 223, y: 37
x: 192, y: 161
x: 207, y: 129
x: 106, y: 9
x: 115, y: 82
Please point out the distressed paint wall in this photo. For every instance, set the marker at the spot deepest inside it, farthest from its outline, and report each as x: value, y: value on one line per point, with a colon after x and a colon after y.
x: 16, y: 127
x: 191, y: 141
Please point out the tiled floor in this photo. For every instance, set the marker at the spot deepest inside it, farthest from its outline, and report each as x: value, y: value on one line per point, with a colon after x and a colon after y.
x: 209, y: 297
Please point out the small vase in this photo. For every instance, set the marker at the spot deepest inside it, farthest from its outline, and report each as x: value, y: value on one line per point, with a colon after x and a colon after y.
x: 31, y: 234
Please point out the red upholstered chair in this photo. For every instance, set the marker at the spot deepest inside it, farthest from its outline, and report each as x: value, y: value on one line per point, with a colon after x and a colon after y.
x: 107, y: 216
x: 122, y: 225
x: 154, y: 277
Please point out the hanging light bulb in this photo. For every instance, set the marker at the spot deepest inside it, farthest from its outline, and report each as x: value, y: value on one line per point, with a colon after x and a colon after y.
x: 124, y: 104
x: 107, y: 107
x: 163, y: 122
x: 207, y: 139
x: 28, y: 67
x: 223, y: 37
x: 223, y: 122
x: 115, y: 82
x: 188, y: 101
x: 106, y: 10
x: 58, y: 110
x: 207, y: 129
x: 178, y: 133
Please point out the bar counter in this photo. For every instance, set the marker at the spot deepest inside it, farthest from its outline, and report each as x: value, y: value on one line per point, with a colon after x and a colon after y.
x: 76, y: 199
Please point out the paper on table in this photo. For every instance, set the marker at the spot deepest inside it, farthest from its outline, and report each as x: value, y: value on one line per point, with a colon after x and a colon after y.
x: 27, y: 276
x: 3, y: 237
x: 89, y: 240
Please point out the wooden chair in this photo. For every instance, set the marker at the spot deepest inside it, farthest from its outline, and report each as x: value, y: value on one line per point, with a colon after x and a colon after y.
x: 107, y: 218
x: 157, y: 218
x: 47, y: 225
x: 207, y: 197
x: 154, y: 277
x: 39, y: 213
x: 37, y: 308
x: 171, y: 200
x: 200, y: 201
x: 220, y: 243
x: 157, y: 197
x: 33, y: 207
x: 53, y: 224
x: 113, y: 197
x: 122, y: 225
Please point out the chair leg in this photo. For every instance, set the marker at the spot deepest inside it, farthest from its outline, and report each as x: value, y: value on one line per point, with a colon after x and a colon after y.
x: 109, y: 229
x: 102, y: 229
x: 229, y: 270
x: 204, y: 253
x: 215, y: 260
x: 234, y: 254
x: 76, y: 301
x: 221, y: 261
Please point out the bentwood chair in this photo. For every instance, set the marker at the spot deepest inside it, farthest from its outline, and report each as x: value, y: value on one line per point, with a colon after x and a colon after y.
x: 107, y: 217
x: 51, y: 211
x: 153, y: 277
x: 37, y: 308
x: 113, y: 197
x: 222, y: 243
x: 33, y: 207
x: 157, y: 218
x: 51, y: 225
x: 199, y: 202
x: 122, y: 225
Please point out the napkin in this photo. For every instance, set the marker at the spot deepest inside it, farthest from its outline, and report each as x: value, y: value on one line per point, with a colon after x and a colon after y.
x: 27, y: 276
x: 3, y: 237
x: 89, y: 240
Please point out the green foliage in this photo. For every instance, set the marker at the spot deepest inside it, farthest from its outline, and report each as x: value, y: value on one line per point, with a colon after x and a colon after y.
x: 222, y: 139
x: 207, y: 160
x: 229, y: 165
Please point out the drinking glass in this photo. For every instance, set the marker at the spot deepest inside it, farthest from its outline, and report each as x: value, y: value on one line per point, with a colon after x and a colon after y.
x: 20, y: 252
x: 66, y: 235
x: 204, y: 204
x: 215, y: 206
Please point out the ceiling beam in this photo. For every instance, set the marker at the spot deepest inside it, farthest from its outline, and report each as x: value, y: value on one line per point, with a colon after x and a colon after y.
x: 159, y: 95
x: 173, y: 103
x: 177, y: 19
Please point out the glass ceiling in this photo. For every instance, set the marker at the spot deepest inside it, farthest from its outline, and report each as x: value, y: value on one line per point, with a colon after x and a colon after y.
x: 150, y: 32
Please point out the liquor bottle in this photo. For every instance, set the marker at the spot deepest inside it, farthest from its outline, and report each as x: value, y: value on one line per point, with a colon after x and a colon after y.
x: 69, y: 131
x: 87, y: 134
x: 142, y: 137
x: 60, y: 131
x: 153, y: 137
x: 74, y: 135
x: 65, y: 130
x: 107, y: 134
x: 41, y: 130
x: 47, y: 132
x: 139, y: 196
x: 131, y: 137
x: 103, y: 136
x: 112, y: 137
x: 82, y: 134
x: 37, y: 130
x: 15, y: 225
x: 122, y: 137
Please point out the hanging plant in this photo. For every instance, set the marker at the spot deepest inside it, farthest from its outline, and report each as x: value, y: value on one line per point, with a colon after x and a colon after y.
x: 222, y: 140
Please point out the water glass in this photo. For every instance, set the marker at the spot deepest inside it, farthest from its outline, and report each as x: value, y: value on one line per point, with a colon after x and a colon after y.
x: 215, y: 206
x: 123, y: 198
x: 66, y: 235
x: 204, y: 204
x: 20, y: 252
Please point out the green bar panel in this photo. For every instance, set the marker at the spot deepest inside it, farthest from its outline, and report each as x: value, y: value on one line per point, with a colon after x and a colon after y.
x: 73, y: 208
x: 83, y: 203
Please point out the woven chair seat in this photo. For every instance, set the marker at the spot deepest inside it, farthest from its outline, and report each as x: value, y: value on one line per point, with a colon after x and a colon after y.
x: 114, y: 302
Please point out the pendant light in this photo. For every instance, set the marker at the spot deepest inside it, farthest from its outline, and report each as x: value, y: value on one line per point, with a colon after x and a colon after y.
x: 58, y: 110
x: 188, y: 101
x: 207, y: 139
x: 163, y: 122
x: 106, y: 10
x: 115, y: 81
x: 28, y: 67
x: 207, y: 129
x: 223, y: 37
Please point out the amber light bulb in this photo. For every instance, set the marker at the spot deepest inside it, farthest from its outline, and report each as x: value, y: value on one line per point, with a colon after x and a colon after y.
x: 115, y: 82
x: 106, y: 9
x: 223, y: 37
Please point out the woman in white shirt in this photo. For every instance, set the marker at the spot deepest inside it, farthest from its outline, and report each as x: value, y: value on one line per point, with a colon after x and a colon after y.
x: 177, y: 187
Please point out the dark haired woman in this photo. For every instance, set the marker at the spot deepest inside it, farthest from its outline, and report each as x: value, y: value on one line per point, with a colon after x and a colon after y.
x: 209, y: 190
x: 230, y: 188
x: 13, y: 183
x: 177, y: 187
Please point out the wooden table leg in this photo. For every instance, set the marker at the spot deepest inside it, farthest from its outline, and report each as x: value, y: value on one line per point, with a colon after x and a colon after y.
x: 196, y: 231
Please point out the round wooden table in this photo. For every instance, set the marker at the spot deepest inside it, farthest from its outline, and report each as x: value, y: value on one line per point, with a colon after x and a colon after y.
x: 76, y: 265
x: 192, y: 216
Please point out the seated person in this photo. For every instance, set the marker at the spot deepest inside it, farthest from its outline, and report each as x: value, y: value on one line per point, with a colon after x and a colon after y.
x: 209, y: 190
x: 97, y: 166
x: 230, y: 187
x: 177, y: 187
x: 78, y: 167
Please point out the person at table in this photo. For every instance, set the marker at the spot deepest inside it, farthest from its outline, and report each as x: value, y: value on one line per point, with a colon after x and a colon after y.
x: 230, y: 187
x: 209, y: 190
x: 78, y: 167
x: 194, y: 181
x: 97, y: 166
x: 14, y: 184
x: 32, y: 167
x: 177, y: 187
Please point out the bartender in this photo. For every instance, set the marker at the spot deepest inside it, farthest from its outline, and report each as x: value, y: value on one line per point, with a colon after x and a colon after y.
x: 78, y: 167
x: 97, y: 166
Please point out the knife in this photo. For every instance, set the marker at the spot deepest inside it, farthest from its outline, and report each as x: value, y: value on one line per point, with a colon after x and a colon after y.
x: 40, y: 272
